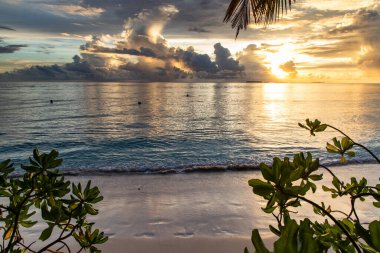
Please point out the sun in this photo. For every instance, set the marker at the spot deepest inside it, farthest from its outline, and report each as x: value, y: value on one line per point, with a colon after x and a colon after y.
x: 278, y: 72
x: 275, y: 58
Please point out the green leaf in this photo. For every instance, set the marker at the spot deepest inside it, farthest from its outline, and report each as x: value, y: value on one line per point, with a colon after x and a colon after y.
x: 303, y: 126
x: 337, y: 143
x: 276, y: 168
x: 261, y: 188
x: 274, y: 230
x: 288, y: 240
x: 90, y: 209
x: 258, y: 242
x: 363, y: 233
x: 321, y: 128
x: 327, y: 189
x: 367, y: 248
x: 336, y: 183
x: 55, y: 163
x: 374, y: 229
x: 308, y: 243
x: 346, y: 143
x: 316, y: 177
x: 46, y: 233
x: 28, y: 224
x: 294, y: 203
x: 266, y: 171
x: 269, y: 209
x: 332, y: 149
x: 36, y: 155
x: 5, y: 193
x: 312, y: 186
x: 272, y: 200
x: 296, y: 174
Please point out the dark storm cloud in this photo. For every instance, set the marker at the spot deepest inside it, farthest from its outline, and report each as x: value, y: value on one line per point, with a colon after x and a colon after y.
x: 8, y: 49
x: 142, y: 37
x: 194, y: 14
x: 198, y: 30
x: 95, y: 16
x: 77, y: 70
x: 53, y: 17
x: 195, y: 61
x: 98, y: 17
x: 224, y: 60
x: 6, y: 28
x: 139, y: 52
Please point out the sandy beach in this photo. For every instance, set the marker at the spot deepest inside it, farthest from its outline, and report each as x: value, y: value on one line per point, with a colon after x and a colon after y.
x: 198, y: 212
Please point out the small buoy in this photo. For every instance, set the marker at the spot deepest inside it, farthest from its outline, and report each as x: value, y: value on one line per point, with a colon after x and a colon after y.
x: 139, y: 188
x: 51, y: 101
x: 187, y: 95
x: 139, y: 103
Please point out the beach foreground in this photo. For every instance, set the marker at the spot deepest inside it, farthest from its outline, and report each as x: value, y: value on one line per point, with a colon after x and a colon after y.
x: 198, y: 212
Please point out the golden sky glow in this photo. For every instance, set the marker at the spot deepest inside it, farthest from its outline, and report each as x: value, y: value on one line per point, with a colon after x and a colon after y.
x: 329, y: 41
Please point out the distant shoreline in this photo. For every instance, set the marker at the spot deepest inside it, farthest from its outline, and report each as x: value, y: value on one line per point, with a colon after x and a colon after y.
x: 180, y: 81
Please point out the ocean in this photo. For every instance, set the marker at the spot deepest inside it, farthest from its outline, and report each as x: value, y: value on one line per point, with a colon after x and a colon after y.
x: 181, y: 127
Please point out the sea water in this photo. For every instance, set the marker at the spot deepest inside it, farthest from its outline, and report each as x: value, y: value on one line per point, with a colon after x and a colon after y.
x: 181, y: 127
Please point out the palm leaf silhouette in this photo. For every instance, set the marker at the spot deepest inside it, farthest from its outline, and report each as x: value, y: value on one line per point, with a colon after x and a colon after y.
x: 239, y: 12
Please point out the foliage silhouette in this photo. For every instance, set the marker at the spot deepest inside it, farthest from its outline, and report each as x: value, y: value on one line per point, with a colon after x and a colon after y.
x: 285, y: 187
x: 62, y: 205
x: 239, y: 12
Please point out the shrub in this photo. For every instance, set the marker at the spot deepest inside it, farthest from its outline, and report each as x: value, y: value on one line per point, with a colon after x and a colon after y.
x: 285, y: 185
x: 62, y: 205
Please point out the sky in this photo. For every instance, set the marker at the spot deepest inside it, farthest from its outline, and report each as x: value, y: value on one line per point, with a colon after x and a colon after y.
x: 171, y: 40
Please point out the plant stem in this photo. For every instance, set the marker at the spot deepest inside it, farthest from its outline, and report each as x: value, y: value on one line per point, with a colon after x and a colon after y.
x: 17, y: 215
x: 333, y: 219
x: 366, y: 194
x: 355, y: 143
x: 330, y: 171
x: 60, y: 239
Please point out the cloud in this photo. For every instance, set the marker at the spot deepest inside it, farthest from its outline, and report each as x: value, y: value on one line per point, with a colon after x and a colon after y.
x: 364, y: 34
x: 253, y: 63
x: 74, y: 10
x: 290, y: 68
x: 139, y: 52
x: 198, y: 30
x: 195, y: 61
x: 6, y: 28
x: 224, y: 60
x: 8, y: 49
x: 77, y: 70
x: 143, y: 51
x: 99, y: 16
x: 342, y: 48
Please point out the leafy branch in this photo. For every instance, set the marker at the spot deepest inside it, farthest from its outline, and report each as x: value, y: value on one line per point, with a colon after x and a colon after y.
x: 285, y: 185
x: 64, y: 206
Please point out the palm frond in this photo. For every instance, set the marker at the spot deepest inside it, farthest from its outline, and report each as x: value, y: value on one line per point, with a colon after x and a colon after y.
x: 239, y: 12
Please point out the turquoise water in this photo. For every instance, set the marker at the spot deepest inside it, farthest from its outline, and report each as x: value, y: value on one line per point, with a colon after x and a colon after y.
x: 100, y: 127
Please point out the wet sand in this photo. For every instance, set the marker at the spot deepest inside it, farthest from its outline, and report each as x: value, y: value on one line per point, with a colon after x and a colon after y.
x: 198, y: 212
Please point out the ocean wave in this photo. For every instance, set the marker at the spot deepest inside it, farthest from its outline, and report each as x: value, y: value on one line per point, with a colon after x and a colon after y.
x: 107, y: 171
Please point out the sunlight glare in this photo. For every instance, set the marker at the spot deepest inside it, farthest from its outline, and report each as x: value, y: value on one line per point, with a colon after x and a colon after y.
x: 276, y: 58
x: 154, y: 32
